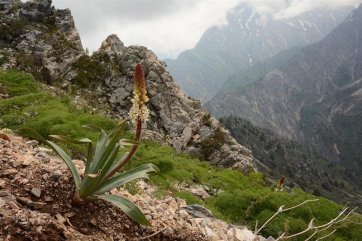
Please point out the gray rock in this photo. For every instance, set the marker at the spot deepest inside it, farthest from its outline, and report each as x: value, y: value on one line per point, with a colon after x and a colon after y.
x: 186, y: 136
x: 25, y: 201
x: 43, y: 156
x: 205, y: 132
x: 35, y: 10
x: 36, y: 192
x: 7, y: 197
x: 198, y: 211
x: 32, y: 143
x: 2, y: 203
x: 112, y: 45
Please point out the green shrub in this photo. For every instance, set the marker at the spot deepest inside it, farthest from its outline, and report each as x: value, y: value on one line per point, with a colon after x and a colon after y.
x: 214, y: 142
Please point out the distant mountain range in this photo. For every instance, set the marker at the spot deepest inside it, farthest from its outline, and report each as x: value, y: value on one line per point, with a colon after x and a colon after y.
x: 315, y: 97
x: 249, y: 38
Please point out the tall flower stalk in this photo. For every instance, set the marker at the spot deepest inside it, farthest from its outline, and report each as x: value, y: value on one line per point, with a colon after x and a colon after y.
x: 139, y: 113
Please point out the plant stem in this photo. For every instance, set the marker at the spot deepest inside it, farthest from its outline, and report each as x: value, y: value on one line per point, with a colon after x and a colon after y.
x: 77, y: 200
x: 130, y: 153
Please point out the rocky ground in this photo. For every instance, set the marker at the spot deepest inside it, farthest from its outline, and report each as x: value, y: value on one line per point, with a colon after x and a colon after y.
x: 35, y: 204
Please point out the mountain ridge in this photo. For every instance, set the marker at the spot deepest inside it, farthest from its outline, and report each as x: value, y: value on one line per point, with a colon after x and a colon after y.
x: 249, y: 37
x: 313, y: 98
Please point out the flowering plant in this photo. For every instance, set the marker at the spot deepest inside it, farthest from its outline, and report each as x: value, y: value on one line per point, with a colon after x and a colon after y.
x: 104, y: 160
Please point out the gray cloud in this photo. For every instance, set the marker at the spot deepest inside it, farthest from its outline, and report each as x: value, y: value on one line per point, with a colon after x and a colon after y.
x: 168, y: 26
x: 124, y: 10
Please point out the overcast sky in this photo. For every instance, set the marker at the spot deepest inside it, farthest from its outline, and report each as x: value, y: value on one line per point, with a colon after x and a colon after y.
x: 168, y: 26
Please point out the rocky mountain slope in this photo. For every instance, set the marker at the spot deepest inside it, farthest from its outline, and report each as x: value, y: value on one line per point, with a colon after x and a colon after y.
x: 314, y: 98
x: 250, y: 37
x: 41, y: 40
x: 257, y: 71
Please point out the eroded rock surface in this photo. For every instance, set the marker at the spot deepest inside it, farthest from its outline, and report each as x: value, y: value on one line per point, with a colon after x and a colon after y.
x: 39, y: 39
x: 180, y: 119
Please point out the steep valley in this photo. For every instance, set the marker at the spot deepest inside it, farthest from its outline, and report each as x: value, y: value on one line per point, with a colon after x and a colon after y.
x: 313, y: 98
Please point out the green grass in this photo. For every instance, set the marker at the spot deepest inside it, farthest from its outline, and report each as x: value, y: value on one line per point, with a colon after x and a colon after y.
x: 241, y: 199
x: 244, y: 199
x: 29, y: 106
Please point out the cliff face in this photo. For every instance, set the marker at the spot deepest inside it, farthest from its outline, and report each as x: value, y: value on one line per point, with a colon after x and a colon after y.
x: 175, y: 118
x: 315, y: 97
x: 37, y: 38
x: 45, y: 43
x: 250, y: 37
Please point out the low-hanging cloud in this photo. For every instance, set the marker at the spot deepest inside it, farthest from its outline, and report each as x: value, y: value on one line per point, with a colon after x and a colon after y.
x: 169, y: 26
x: 295, y: 8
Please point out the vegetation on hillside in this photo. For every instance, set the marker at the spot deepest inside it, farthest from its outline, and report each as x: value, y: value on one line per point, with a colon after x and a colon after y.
x: 278, y: 157
x: 234, y: 197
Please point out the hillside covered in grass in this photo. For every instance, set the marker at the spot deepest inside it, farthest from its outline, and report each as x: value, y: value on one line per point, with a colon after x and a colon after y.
x: 232, y: 196
x: 304, y: 168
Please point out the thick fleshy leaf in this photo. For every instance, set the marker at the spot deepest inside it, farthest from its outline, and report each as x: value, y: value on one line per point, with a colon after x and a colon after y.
x: 89, y: 184
x: 69, y: 140
x: 119, y: 160
x: 127, y: 142
x: 89, y: 157
x: 92, y: 127
x: 68, y: 161
x: 110, y: 151
x: 109, y: 162
x: 121, y: 126
x: 33, y: 133
x: 115, y: 136
x: 129, y: 208
x: 126, y: 177
x: 100, y: 147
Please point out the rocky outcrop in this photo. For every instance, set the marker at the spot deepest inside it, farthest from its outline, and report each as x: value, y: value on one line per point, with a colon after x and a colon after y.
x: 179, y: 119
x: 36, y: 10
x: 39, y: 39
x: 48, y: 45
